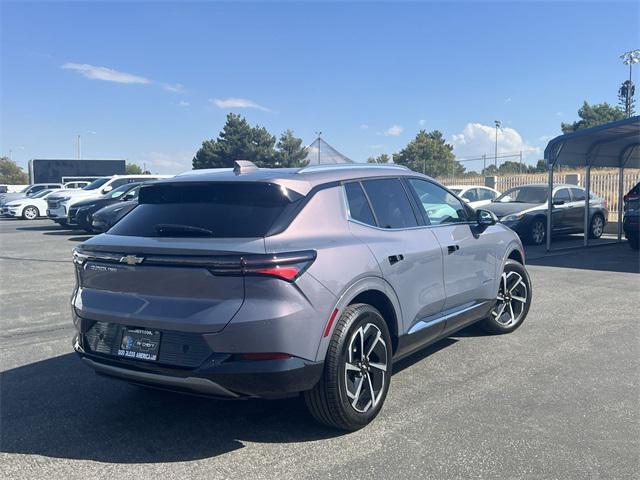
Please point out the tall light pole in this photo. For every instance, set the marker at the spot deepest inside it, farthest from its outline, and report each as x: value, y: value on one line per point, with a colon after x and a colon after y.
x: 630, y: 58
x: 79, y: 148
x: 319, y: 133
x: 498, y: 126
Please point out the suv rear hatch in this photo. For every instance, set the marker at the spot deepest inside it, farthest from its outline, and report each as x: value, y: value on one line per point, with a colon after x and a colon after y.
x: 179, y: 259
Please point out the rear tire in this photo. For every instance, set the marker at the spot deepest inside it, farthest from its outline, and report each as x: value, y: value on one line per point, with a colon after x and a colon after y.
x: 357, y: 371
x: 634, y: 243
x: 538, y: 231
x: 30, y: 213
x: 512, y: 302
x: 596, y: 229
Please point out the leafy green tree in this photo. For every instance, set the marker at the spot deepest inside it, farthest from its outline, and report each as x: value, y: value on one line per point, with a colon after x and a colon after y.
x: 382, y: 158
x: 429, y: 153
x: 237, y: 141
x: 628, y: 108
x: 541, y: 167
x: 593, y: 115
x: 133, y: 169
x: 289, y: 151
x: 11, y: 173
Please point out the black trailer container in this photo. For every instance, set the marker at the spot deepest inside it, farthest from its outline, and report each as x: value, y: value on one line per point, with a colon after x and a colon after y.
x: 63, y: 170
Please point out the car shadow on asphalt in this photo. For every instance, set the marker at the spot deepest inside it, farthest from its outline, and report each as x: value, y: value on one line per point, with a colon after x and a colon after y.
x: 41, y: 228
x: 60, y: 408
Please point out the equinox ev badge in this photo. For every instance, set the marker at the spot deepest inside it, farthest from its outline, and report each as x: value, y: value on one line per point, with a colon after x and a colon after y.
x: 131, y: 260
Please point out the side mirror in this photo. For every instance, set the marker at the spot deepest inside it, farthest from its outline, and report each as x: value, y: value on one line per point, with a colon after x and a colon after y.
x: 466, y: 200
x: 558, y: 202
x: 107, y: 189
x: 485, y: 218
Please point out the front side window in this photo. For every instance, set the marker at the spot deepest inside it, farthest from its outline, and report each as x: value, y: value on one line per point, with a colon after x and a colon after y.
x: 390, y: 203
x: 438, y: 205
x: 359, y: 208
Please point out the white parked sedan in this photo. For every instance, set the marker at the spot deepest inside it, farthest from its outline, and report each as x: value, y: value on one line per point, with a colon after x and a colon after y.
x: 475, y: 196
x: 28, y: 208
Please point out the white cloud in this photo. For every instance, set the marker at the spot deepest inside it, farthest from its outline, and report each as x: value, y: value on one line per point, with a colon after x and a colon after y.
x: 237, y: 103
x: 507, y: 100
x: 364, y: 126
x: 103, y: 73
x: 393, y: 131
x: 174, y: 88
x: 422, y: 122
x: 183, y: 103
x: 477, y: 139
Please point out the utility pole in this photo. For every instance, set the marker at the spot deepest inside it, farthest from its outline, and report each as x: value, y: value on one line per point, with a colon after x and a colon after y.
x: 319, y: 133
x: 520, y: 161
x: 79, y: 148
x: 498, y: 125
x: 630, y: 58
x: 484, y: 163
x: 10, y: 155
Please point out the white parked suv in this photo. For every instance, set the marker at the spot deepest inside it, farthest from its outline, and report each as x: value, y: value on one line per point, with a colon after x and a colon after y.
x: 475, y: 196
x: 27, y: 208
x: 58, y: 204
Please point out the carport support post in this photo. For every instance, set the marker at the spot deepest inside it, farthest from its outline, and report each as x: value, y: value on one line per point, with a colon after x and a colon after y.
x: 620, y: 201
x: 587, y: 202
x: 550, y: 204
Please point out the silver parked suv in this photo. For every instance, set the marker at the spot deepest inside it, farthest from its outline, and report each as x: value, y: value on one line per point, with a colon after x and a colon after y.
x: 270, y: 282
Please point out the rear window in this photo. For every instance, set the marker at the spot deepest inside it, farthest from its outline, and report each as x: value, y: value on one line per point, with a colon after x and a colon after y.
x: 222, y: 210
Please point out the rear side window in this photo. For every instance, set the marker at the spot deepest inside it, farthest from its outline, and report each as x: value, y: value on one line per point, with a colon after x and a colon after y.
x: 390, y: 203
x: 471, y: 195
x: 222, y: 210
x: 359, y: 208
x: 578, y: 194
x: 486, y: 194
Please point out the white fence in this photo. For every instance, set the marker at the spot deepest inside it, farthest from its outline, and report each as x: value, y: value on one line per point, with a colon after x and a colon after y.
x: 604, y: 183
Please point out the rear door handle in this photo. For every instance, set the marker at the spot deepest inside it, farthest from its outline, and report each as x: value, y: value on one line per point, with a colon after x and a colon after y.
x: 395, y: 258
x: 453, y: 248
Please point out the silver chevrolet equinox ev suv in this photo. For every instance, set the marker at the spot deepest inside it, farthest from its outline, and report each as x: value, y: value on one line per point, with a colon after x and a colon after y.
x: 270, y: 282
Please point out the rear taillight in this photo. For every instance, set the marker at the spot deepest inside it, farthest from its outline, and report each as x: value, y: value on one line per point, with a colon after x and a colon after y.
x: 285, y: 266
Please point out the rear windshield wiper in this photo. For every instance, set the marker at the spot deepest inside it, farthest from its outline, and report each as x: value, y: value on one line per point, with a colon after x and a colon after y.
x: 177, y: 230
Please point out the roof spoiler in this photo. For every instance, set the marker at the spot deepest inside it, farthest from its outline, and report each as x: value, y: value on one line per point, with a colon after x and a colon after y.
x: 244, y: 166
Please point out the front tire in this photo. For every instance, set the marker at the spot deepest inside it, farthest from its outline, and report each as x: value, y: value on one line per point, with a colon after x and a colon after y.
x: 596, y: 229
x: 538, y: 231
x: 30, y: 213
x: 634, y: 243
x: 357, y: 371
x: 512, y: 302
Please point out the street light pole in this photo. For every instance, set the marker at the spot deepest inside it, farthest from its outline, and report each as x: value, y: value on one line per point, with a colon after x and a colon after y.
x: 79, y: 148
x: 630, y: 58
x: 498, y: 125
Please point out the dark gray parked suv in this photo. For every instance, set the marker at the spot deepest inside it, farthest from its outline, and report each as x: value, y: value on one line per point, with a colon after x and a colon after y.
x: 270, y: 282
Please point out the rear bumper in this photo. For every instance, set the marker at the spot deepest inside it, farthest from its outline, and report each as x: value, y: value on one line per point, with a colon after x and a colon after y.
x: 220, y: 375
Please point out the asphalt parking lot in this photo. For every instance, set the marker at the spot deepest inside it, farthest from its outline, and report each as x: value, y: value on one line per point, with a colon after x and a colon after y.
x: 556, y: 399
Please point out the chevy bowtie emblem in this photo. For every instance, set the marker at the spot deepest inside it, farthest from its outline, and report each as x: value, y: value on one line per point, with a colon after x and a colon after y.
x: 131, y: 260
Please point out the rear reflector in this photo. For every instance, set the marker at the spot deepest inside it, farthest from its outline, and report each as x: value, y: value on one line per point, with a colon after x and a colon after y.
x: 288, y: 273
x: 327, y: 329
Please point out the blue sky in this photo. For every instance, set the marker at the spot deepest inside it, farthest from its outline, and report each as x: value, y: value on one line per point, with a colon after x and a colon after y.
x: 148, y: 82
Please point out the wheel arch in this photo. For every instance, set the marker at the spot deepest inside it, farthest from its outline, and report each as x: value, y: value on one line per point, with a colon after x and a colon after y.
x: 376, y: 292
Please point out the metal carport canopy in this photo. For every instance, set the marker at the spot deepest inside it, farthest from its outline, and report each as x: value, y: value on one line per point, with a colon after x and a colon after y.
x: 615, y: 144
